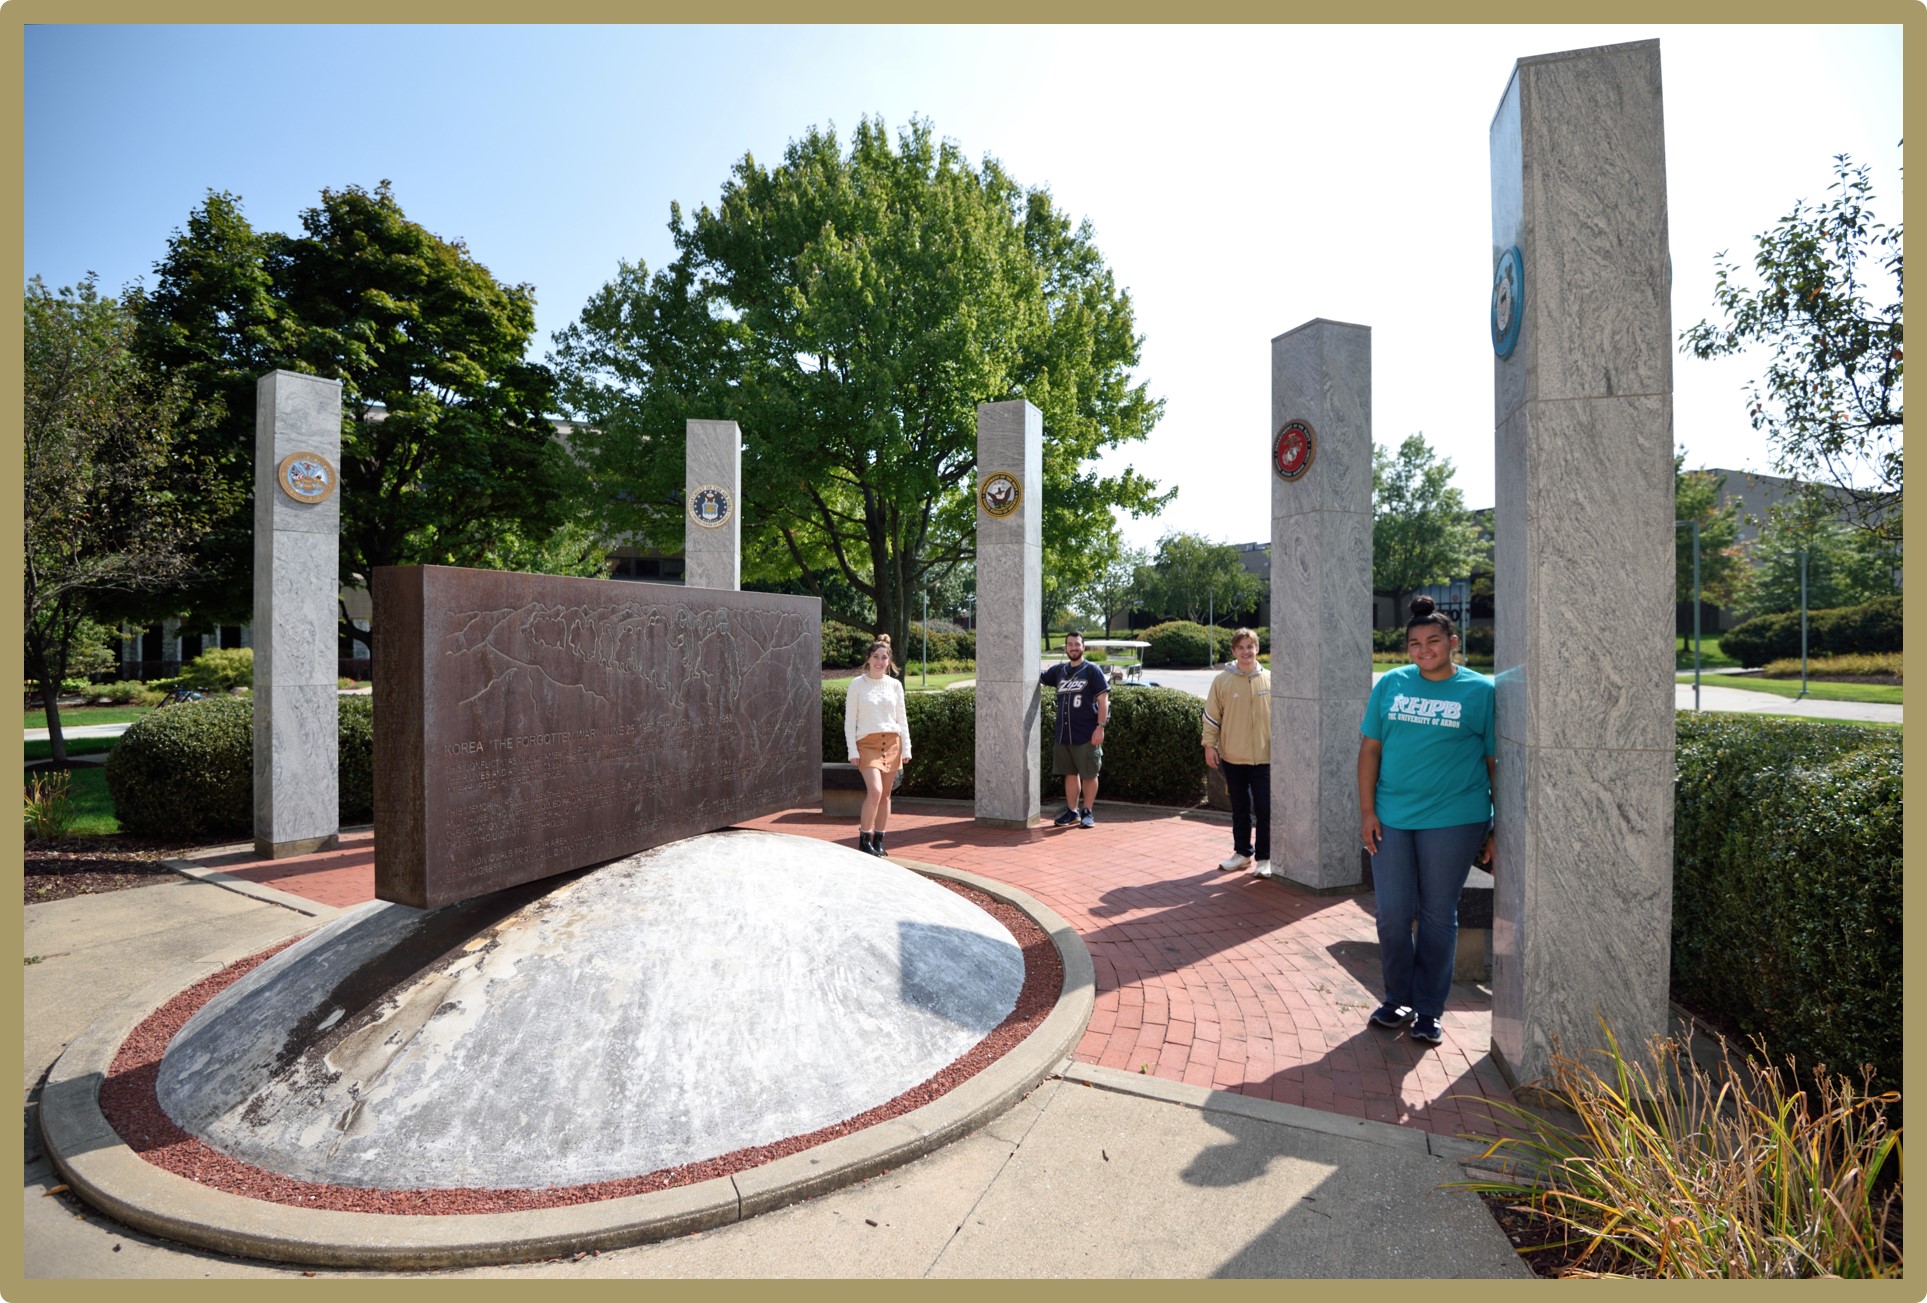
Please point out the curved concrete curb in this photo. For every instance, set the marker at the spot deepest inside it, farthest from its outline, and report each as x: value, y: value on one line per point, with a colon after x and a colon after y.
x: 100, y: 1167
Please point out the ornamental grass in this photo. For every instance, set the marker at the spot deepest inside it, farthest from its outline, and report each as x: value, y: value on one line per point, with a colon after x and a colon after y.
x: 1669, y: 1169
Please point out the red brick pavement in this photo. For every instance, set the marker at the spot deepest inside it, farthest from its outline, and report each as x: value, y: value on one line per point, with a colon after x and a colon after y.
x: 1215, y: 979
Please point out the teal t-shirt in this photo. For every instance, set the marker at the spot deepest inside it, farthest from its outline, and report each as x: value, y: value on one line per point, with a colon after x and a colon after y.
x: 1436, y: 736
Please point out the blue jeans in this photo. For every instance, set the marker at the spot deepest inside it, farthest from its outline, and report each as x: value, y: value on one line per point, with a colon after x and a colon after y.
x: 1249, y: 787
x: 1417, y: 876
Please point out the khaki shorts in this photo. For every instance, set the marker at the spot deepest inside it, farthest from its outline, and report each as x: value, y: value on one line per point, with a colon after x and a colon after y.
x: 1083, y: 759
x: 882, y: 751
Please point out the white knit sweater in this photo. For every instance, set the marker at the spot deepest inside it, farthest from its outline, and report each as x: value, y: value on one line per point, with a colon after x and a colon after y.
x: 874, y: 706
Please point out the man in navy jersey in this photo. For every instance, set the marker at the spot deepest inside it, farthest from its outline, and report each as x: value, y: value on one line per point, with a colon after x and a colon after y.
x: 1083, y: 708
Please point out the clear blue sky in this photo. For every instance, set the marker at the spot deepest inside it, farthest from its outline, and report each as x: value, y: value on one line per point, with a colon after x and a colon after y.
x: 1241, y: 180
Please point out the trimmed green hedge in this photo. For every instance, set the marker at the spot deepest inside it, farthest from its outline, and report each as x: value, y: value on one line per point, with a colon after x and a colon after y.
x: 1787, y: 886
x: 844, y: 646
x: 1180, y: 644
x: 187, y: 771
x: 1835, y: 631
x: 220, y: 668
x: 1151, y: 750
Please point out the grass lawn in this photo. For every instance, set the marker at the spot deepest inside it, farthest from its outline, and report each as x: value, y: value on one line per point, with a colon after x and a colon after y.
x: 1711, y: 657
x: 1884, y: 694
x: 76, y: 746
x: 71, y: 715
x: 913, y: 681
x: 93, y: 807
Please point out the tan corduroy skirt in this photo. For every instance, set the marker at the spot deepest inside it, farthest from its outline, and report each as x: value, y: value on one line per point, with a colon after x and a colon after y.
x: 882, y: 751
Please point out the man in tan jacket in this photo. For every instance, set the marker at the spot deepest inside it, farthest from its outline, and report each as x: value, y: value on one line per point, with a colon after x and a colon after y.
x: 1237, y: 743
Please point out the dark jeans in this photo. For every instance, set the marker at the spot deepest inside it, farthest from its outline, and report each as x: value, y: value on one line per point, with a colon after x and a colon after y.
x: 1417, y: 876
x: 1250, y: 789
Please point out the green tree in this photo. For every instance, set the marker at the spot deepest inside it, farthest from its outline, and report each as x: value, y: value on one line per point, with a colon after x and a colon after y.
x: 447, y: 455
x: 101, y: 525
x: 1722, y: 566
x: 1828, y: 307
x: 851, y: 311
x: 1421, y: 532
x: 1114, y: 588
x: 1845, y: 565
x: 1194, y: 577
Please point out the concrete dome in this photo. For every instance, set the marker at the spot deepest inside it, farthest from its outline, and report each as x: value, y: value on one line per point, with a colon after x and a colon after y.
x: 729, y: 990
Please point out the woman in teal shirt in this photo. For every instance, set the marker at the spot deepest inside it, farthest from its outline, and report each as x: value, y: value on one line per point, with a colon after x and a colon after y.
x: 1425, y: 782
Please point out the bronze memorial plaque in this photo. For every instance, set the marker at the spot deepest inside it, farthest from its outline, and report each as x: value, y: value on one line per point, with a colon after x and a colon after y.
x: 527, y: 725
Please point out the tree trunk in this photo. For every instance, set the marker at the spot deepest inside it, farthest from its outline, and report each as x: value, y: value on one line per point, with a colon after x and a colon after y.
x: 50, y: 700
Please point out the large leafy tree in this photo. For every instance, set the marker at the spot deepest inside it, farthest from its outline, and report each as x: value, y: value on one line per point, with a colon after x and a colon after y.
x: 1696, y: 498
x: 1827, y: 307
x: 447, y: 455
x: 1196, y: 578
x: 1421, y: 532
x: 850, y: 310
x: 100, y: 434
x: 1844, y: 565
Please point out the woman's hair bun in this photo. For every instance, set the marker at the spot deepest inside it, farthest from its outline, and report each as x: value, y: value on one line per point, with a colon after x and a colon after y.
x: 1423, y: 606
x: 883, y: 637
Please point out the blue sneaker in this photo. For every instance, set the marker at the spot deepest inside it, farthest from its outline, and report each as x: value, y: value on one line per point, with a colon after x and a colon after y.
x: 1426, y: 1028
x: 1392, y: 1015
x: 1065, y: 819
x: 1084, y: 819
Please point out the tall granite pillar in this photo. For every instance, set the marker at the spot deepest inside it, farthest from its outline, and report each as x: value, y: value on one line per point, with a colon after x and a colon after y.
x: 712, y: 492
x: 1584, y: 556
x: 297, y: 533
x: 1321, y: 596
x: 1010, y: 609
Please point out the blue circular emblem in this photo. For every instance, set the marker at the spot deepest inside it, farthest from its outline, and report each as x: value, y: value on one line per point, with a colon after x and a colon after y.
x: 709, y: 506
x: 1508, y: 301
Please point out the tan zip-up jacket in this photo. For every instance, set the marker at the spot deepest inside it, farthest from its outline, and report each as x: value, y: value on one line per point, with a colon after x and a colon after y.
x: 1237, y: 717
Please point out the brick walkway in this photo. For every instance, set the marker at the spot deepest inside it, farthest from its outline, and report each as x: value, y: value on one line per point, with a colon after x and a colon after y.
x: 1211, y: 978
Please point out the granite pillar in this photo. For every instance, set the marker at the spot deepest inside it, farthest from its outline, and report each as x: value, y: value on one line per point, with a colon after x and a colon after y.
x: 712, y: 493
x: 297, y: 529
x: 1321, y: 599
x: 1010, y: 610
x: 1583, y: 380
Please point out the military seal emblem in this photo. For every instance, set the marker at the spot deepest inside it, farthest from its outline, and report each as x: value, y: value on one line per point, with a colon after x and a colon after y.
x: 709, y: 505
x: 306, y: 477
x: 1508, y: 301
x: 999, y: 493
x: 1292, y: 449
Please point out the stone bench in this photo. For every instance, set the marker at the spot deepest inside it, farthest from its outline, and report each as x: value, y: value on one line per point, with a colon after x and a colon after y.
x: 842, y: 789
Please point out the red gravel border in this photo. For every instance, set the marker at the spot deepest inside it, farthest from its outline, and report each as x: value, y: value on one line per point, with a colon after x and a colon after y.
x: 129, y: 1102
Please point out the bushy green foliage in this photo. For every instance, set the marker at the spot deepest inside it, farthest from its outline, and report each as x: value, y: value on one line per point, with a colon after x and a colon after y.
x: 126, y: 692
x: 947, y: 643
x: 843, y: 646
x: 912, y: 668
x: 1389, y: 642
x: 187, y: 771
x: 1872, y: 627
x: 1181, y: 644
x: 1476, y: 640
x: 1787, y: 885
x: 1870, y: 665
x: 220, y: 668
x: 1151, y: 750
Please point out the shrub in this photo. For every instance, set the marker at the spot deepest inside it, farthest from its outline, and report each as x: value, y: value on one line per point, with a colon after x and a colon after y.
x: 1476, y: 640
x: 1872, y: 627
x: 127, y: 692
x: 1181, y: 643
x: 912, y: 668
x: 188, y: 771
x: 1151, y: 750
x: 1871, y: 665
x: 49, y: 803
x: 1678, y: 1172
x: 947, y: 643
x: 221, y: 668
x: 843, y: 646
x: 1787, y: 885
x: 1389, y: 642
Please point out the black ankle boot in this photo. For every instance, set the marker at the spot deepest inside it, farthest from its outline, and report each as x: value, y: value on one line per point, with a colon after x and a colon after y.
x: 863, y: 841
x: 876, y: 843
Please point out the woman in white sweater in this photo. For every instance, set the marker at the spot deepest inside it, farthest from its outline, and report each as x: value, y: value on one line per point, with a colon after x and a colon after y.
x: 876, y: 729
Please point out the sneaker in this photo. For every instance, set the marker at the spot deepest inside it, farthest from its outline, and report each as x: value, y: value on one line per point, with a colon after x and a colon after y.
x: 1084, y: 819
x: 1393, y: 1015
x: 1426, y: 1028
x: 1065, y: 819
x: 1262, y: 869
x: 1235, y: 863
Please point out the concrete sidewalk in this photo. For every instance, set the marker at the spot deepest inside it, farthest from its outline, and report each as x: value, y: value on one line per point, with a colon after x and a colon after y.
x: 1098, y: 1172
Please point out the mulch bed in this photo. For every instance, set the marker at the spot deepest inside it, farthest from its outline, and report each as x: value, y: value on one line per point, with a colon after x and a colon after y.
x: 127, y: 1099
x: 88, y: 866
x: 1542, y: 1243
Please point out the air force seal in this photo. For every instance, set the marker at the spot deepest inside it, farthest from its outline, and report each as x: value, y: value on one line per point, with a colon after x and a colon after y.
x: 999, y: 493
x: 1508, y: 301
x: 710, y: 506
x: 1292, y: 449
x: 306, y: 477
